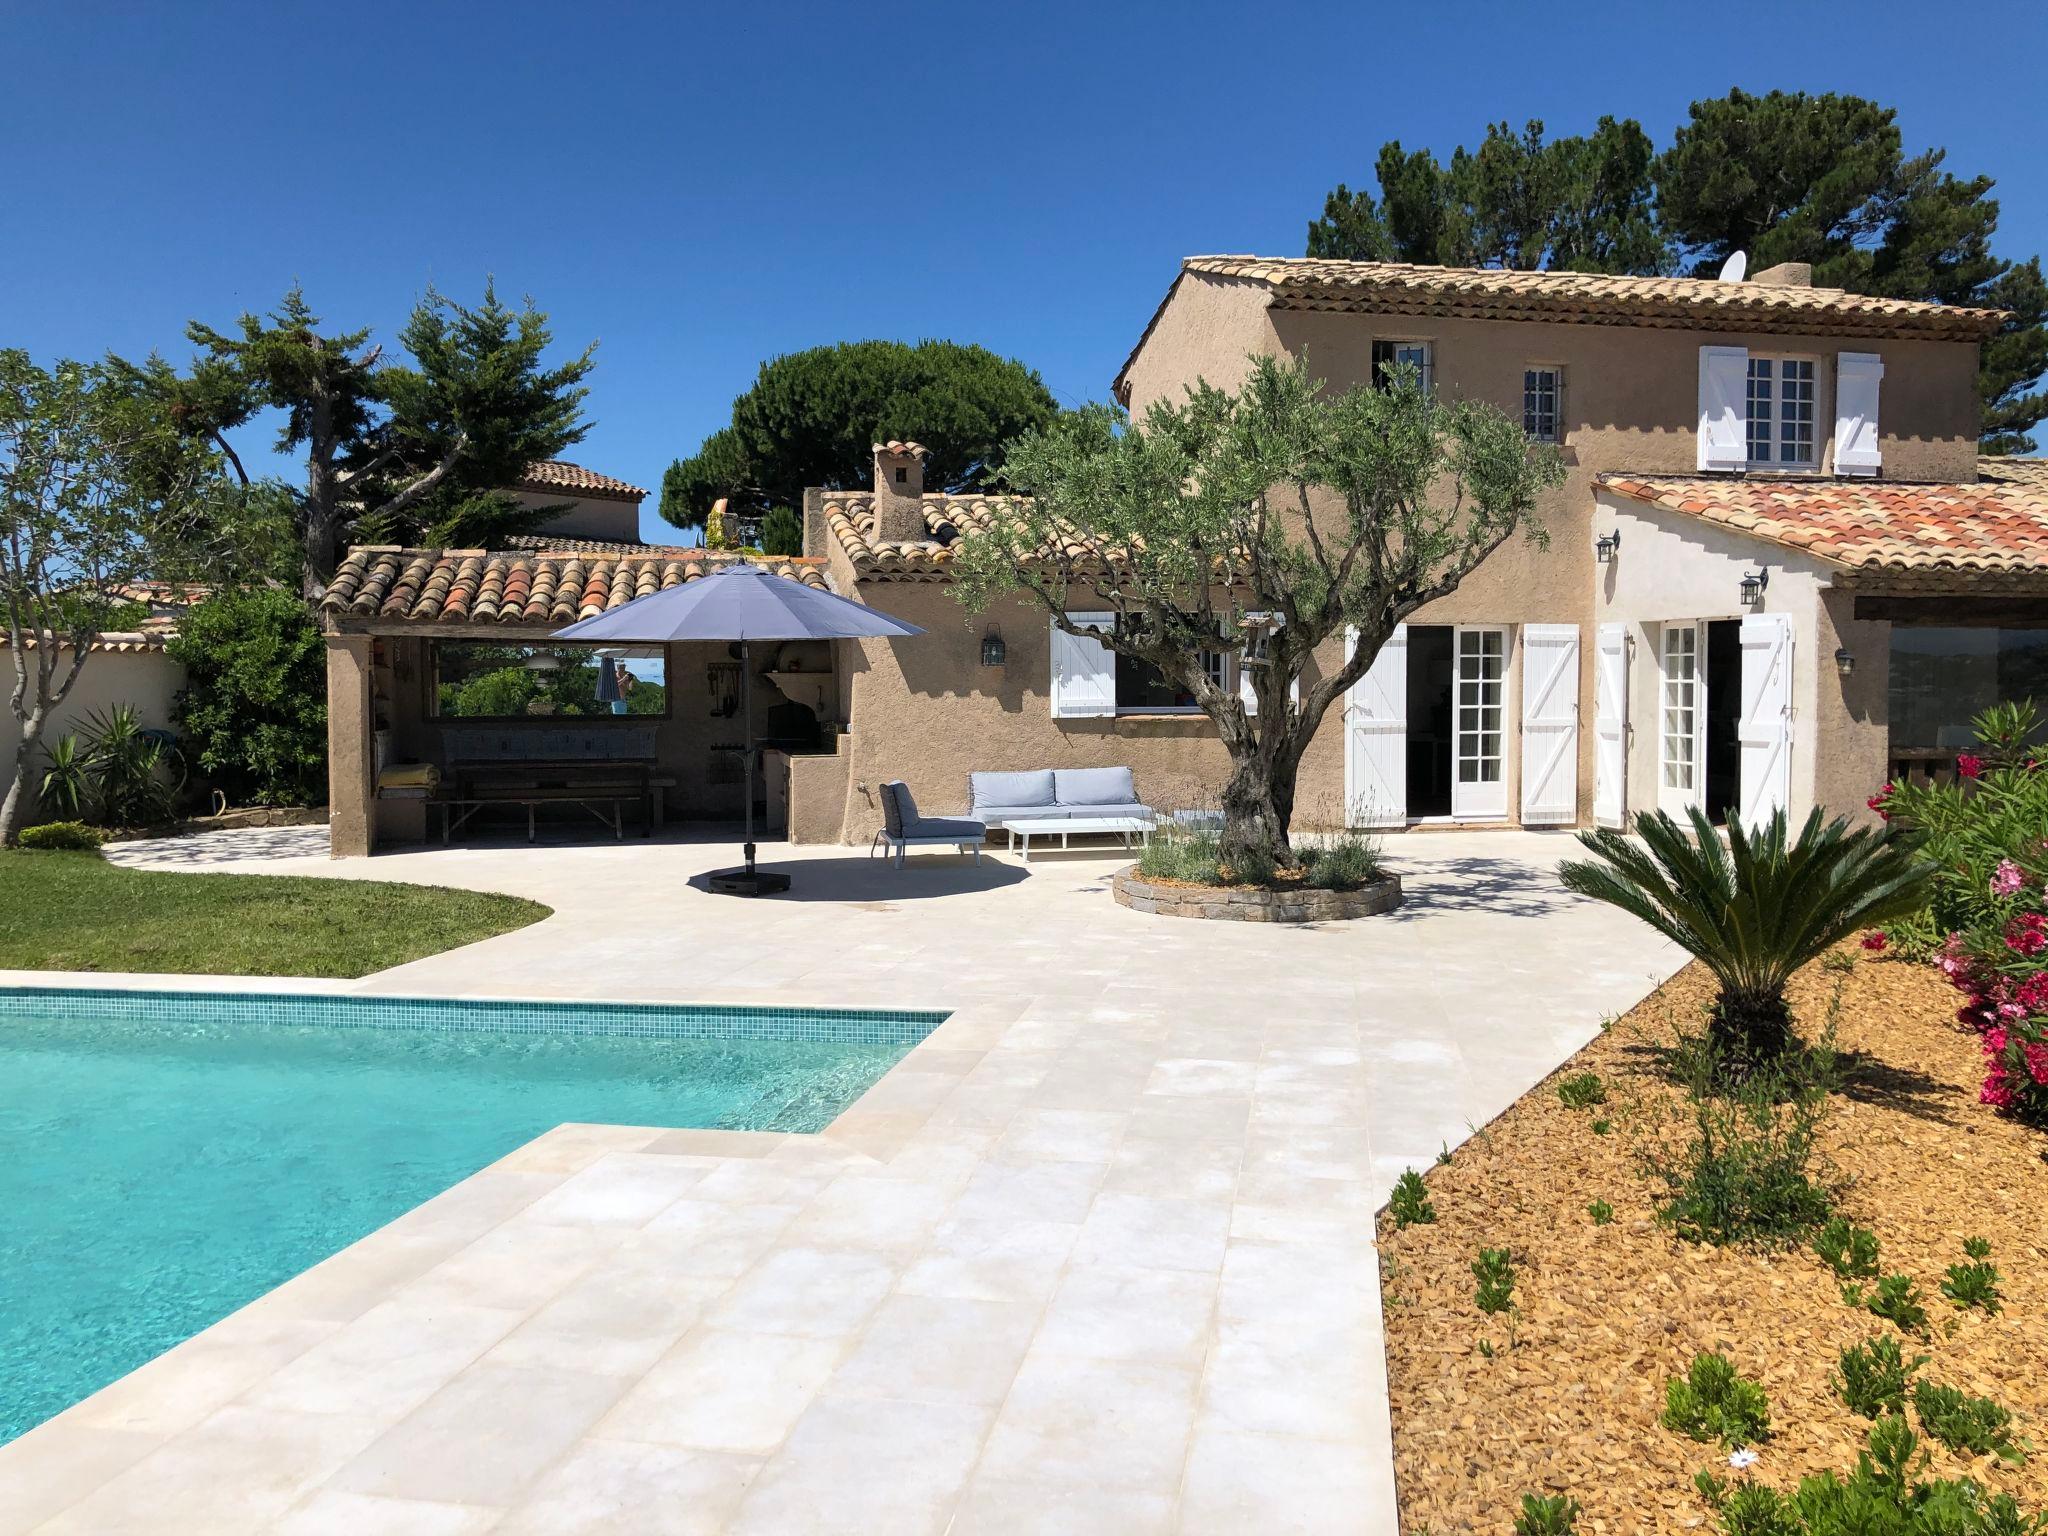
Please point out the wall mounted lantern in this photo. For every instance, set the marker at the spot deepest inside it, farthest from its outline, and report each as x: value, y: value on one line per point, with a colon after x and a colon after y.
x: 1604, y: 550
x: 1753, y: 585
x: 993, y: 651
x: 1845, y: 663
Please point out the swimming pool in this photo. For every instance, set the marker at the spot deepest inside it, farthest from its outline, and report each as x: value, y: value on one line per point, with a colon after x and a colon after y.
x: 171, y: 1156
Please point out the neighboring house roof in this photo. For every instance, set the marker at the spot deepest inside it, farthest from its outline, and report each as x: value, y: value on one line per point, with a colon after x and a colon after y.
x: 559, y: 475
x: 561, y: 545
x: 118, y: 641
x: 501, y: 586
x: 1990, y: 533
x: 850, y: 515
x: 1488, y: 293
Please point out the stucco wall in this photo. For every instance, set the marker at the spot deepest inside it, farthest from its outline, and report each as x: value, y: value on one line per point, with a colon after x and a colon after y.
x: 587, y: 517
x: 1672, y: 568
x: 149, y: 680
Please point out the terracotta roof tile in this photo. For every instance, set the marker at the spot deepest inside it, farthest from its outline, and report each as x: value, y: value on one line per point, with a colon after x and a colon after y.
x: 484, y: 587
x: 124, y: 641
x: 1992, y: 531
x: 850, y: 516
x: 900, y: 445
x: 574, y: 479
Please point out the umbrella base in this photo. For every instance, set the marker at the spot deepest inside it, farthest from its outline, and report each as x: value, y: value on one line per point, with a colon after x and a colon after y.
x: 747, y: 882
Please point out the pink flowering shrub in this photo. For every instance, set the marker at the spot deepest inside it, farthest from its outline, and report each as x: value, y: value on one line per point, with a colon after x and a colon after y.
x: 1986, y: 834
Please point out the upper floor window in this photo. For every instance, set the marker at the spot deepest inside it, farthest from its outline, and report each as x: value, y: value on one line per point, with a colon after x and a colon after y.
x: 1543, y: 404
x: 1389, y: 355
x: 1781, y: 404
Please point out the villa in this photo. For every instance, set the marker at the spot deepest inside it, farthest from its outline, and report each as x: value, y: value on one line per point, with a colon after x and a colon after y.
x: 1778, y: 574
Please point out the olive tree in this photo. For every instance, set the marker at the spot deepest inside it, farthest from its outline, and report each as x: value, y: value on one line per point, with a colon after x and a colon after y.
x: 1258, y: 522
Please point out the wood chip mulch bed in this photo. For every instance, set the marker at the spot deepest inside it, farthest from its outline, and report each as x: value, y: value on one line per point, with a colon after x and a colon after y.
x: 1569, y: 1403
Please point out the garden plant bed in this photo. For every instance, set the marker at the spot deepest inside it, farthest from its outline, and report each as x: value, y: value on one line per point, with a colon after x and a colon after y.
x: 1569, y: 1403
x: 1254, y: 903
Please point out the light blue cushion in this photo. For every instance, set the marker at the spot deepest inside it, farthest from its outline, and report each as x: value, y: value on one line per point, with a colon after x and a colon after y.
x: 1015, y: 790
x: 995, y: 813
x: 947, y: 826
x: 1089, y: 812
x: 1093, y: 787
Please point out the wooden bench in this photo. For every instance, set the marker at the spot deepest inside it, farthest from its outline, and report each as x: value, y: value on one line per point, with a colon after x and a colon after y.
x: 600, y: 767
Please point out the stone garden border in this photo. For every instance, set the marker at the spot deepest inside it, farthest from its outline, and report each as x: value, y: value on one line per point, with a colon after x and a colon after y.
x: 1253, y: 904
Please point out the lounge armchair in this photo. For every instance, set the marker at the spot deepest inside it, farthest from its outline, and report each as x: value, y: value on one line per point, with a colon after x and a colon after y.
x: 1055, y: 794
x: 903, y: 829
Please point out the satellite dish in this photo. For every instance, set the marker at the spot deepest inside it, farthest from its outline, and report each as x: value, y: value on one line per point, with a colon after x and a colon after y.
x: 1735, y: 268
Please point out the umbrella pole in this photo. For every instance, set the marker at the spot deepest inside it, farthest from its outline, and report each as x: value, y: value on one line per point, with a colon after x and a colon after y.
x: 747, y: 746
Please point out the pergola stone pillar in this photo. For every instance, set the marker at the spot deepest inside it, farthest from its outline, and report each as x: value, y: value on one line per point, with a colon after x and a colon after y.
x: 351, y: 756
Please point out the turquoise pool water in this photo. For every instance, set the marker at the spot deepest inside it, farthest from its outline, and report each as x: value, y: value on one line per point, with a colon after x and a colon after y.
x: 165, y: 1158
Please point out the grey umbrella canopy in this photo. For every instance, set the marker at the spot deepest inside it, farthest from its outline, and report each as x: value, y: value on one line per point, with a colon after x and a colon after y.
x: 745, y: 603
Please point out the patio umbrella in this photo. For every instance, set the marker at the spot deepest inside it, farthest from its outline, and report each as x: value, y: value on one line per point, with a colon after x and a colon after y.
x: 739, y: 602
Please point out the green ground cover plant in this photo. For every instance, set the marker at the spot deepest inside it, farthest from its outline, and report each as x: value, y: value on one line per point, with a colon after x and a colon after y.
x: 1874, y: 1377
x: 76, y: 912
x: 1850, y: 1251
x: 1582, y: 1090
x: 1712, y: 1402
x: 1495, y: 1272
x: 1972, y: 1426
x: 1409, y: 1202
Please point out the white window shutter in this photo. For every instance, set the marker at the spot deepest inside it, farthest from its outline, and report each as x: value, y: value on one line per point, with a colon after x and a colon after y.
x: 1083, y: 671
x: 1857, y: 376
x: 1550, y: 724
x: 1724, y: 408
x: 1764, y: 729
x: 1246, y: 693
x: 1376, y: 736
x: 1610, y: 725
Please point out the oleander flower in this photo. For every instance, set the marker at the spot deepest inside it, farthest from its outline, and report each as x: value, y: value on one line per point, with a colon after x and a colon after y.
x: 2007, y: 879
x: 1969, y: 766
x: 1874, y: 940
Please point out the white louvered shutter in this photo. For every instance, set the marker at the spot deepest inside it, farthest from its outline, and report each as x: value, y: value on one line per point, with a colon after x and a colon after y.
x: 1857, y: 376
x: 1764, y: 730
x: 1083, y: 671
x: 1550, y: 724
x: 1724, y: 408
x: 1610, y: 725
x: 1376, y: 736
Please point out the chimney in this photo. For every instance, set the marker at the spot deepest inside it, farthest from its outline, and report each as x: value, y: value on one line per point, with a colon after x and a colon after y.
x: 899, y: 493
x: 1786, y: 274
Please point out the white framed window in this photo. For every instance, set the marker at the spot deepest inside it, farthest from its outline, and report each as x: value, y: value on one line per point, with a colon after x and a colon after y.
x: 1142, y: 689
x: 1543, y: 403
x: 1679, y: 722
x: 1388, y: 355
x: 1780, y: 401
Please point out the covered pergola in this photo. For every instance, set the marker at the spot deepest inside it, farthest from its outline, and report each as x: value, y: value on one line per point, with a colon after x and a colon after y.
x: 442, y: 666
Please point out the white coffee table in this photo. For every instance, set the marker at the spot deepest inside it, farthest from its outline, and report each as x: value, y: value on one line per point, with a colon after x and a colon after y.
x: 1126, y: 827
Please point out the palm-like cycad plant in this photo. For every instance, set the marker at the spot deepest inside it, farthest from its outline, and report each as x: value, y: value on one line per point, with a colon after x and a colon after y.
x: 1754, y: 911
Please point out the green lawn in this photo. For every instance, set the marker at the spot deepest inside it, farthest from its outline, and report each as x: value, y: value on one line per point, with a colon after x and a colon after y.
x: 76, y: 912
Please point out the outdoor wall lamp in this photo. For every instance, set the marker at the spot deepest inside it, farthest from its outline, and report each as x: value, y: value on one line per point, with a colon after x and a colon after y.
x: 1753, y: 585
x: 1604, y: 550
x: 1845, y: 663
x: 993, y: 651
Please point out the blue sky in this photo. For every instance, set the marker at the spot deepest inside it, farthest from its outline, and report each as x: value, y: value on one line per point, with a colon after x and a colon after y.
x: 700, y: 187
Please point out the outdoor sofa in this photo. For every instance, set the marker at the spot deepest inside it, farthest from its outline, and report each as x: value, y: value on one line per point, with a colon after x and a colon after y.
x: 1054, y: 794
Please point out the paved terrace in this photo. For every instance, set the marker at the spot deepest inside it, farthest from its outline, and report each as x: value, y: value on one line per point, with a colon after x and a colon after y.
x: 1094, y: 1257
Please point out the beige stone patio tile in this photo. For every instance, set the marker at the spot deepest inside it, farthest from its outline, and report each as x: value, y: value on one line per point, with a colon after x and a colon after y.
x: 329, y: 1512
x: 1323, y: 1386
x: 386, y: 1362
x: 1154, y: 1233
x: 1316, y: 1152
x: 436, y: 1454
x: 1173, y: 1117
x: 616, y: 1321
x: 994, y: 1259
x: 1121, y: 1312
x: 712, y: 1240
x: 1202, y: 1077
x: 239, y: 1471
x: 717, y: 1145
x: 938, y: 1349
x: 1052, y: 1191
x: 765, y: 1181
x: 1215, y: 1040
x: 471, y: 1208
x: 625, y: 1189
x: 852, y: 1467
x: 1047, y: 1505
x: 723, y: 1391
x: 1283, y: 1486
x: 867, y: 1210
x: 1174, y: 1168
x: 1118, y: 1423
x: 199, y: 1377
x: 571, y: 1148
x: 810, y: 1293
x: 344, y: 1286
x: 58, y: 1463
x: 517, y: 1266
x: 1250, y: 1222
x: 615, y: 1487
x: 1061, y: 1135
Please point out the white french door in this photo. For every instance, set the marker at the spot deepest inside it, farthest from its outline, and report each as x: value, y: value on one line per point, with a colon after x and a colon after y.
x: 1681, y: 724
x: 1479, y: 779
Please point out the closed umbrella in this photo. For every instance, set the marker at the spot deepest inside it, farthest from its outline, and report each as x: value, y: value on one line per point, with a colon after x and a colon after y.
x: 745, y: 603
